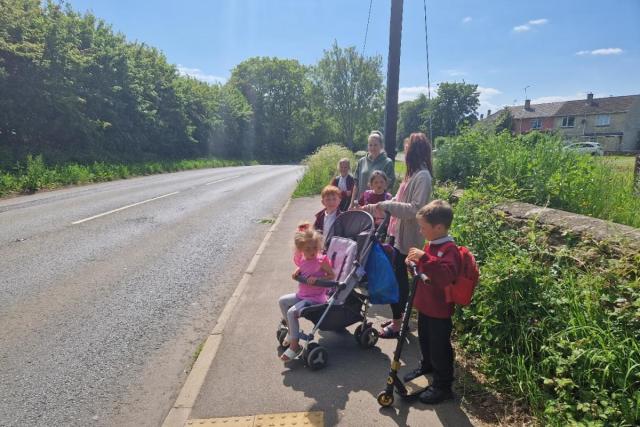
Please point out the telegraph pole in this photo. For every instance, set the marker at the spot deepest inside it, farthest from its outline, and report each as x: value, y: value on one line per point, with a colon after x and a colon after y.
x: 393, y: 78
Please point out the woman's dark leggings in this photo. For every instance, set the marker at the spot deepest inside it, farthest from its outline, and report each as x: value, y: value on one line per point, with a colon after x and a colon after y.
x: 403, y: 284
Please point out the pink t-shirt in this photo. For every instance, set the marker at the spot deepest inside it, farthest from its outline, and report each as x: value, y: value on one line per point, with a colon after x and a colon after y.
x: 393, y: 222
x: 311, y: 268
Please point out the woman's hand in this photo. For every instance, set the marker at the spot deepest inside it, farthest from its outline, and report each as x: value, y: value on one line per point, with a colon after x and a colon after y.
x: 414, y: 255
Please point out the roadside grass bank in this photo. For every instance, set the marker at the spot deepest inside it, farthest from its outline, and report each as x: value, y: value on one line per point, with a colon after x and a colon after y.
x: 555, y: 324
x: 536, y: 168
x: 34, y: 174
x: 322, y: 166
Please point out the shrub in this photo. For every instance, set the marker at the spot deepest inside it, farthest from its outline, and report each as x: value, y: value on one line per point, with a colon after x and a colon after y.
x: 322, y: 166
x: 557, y: 326
x: 536, y: 168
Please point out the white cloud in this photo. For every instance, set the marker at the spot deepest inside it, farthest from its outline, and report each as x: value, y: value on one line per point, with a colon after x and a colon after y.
x: 526, y: 27
x: 199, y: 74
x: 486, y: 93
x: 412, y: 92
x: 454, y: 72
x: 467, y: 19
x: 538, y: 21
x: 561, y: 98
x: 601, y: 52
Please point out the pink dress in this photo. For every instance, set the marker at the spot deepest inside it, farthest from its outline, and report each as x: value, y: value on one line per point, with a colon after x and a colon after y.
x: 311, y: 268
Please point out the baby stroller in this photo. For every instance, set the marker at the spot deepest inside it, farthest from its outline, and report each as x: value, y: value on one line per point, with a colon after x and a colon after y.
x: 348, y: 244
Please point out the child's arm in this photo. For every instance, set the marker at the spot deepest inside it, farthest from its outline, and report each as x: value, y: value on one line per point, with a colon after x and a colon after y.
x: 414, y: 255
x: 295, y: 274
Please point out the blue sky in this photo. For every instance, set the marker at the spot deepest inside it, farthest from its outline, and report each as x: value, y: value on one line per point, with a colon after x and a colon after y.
x: 560, y: 49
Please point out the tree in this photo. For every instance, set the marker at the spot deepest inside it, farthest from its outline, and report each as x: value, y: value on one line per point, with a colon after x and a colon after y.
x: 411, y: 118
x: 352, y: 89
x: 455, y: 105
x: 275, y: 89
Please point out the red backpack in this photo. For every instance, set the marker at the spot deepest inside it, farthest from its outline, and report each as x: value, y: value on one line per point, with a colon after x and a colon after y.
x: 461, y: 290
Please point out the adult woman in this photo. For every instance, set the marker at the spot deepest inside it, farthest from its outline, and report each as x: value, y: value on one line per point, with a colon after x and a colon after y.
x: 376, y: 159
x: 414, y: 192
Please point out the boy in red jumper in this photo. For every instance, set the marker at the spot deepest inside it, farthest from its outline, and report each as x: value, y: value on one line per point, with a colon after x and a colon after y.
x: 440, y: 261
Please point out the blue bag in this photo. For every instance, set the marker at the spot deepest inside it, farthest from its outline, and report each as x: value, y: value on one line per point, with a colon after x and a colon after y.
x: 383, y: 286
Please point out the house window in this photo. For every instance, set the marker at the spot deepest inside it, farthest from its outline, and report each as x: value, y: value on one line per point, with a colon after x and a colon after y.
x: 603, y: 120
x: 536, y: 124
x: 568, y: 122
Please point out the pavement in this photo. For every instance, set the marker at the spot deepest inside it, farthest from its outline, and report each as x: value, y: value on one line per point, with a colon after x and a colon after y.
x: 238, y: 373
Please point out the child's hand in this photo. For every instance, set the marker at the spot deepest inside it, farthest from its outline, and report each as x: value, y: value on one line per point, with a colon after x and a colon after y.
x: 414, y: 255
x: 295, y: 274
x: 311, y: 281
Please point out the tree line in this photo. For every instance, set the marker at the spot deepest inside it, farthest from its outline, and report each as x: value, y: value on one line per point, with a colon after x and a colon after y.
x: 74, y: 90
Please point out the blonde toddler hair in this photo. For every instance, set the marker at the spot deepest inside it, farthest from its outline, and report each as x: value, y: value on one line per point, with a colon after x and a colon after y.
x: 307, y: 237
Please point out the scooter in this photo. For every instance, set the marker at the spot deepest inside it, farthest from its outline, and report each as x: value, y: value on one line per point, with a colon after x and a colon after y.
x: 417, y: 385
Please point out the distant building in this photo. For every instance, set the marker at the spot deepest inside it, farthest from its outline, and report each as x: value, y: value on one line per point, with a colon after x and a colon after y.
x: 614, y: 122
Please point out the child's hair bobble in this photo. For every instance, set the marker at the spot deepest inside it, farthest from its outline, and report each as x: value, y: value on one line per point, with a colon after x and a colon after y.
x: 304, y: 226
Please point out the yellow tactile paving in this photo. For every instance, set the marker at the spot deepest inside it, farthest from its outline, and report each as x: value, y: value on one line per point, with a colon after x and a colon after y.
x: 289, y: 419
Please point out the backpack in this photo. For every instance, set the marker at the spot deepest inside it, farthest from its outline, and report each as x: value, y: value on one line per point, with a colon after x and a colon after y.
x: 461, y: 290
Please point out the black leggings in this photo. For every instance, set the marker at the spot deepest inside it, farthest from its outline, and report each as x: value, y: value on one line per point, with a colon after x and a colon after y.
x: 403, y: 284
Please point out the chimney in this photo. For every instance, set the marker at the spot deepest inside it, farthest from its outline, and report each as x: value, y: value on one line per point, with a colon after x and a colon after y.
x: 590, y: 98
x: 488, y: 113
x: 527, y: 104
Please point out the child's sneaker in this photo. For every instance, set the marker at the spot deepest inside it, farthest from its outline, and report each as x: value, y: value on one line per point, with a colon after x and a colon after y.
x: 433, y: 395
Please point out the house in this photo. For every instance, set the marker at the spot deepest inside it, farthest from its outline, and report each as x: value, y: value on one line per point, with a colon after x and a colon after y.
x: 614, y: 121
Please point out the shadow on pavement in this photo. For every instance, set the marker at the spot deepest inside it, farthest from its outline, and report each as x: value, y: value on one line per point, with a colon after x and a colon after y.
x: 352, y: 369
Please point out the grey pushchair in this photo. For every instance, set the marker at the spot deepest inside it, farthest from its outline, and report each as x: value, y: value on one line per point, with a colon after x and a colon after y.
x: 348, y: 244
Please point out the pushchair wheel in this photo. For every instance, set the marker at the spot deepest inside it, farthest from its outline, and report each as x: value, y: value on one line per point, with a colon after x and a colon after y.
x: 316, y: 356
x: 281, y: 334
x: 385, y: 400
x: 368, y: 337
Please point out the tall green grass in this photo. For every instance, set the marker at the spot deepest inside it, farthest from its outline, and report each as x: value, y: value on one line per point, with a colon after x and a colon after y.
x: 34, y: 174
x: 322, y: 166
x: 536, y: 168
x: 558, y: 326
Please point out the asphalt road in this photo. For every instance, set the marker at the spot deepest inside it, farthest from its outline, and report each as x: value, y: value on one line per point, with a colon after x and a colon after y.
x: 106, y: 290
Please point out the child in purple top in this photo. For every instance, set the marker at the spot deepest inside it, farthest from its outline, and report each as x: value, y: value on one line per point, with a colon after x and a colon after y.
x: 313, y: 265
x: 378, y: 182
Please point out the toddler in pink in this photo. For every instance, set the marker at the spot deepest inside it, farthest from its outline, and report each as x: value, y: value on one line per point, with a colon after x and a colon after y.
x: 313, y: 265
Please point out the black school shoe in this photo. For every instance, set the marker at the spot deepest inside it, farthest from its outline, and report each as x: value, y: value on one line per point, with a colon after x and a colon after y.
x: 418, y: 372
x: 433, y: 395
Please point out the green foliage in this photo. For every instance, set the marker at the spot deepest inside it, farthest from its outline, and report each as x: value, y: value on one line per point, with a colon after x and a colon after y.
x: 557, y: 326
x: 536, y: 168
x: 35, y: 174
x: 411, y: 118
x: 351, y: 86
x: 322, y: 166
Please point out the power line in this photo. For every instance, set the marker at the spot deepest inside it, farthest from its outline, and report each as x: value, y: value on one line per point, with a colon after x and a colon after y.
x: 426, y: 39
x: 366, y: 31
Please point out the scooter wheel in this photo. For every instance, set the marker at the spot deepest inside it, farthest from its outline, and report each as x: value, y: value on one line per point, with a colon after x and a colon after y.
x: 385, y: 400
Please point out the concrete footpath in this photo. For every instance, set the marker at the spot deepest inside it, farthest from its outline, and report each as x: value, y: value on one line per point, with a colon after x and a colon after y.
x: 238, y: 374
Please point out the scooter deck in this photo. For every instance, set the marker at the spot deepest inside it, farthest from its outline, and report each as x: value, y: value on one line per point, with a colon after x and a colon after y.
x: 416, y: 385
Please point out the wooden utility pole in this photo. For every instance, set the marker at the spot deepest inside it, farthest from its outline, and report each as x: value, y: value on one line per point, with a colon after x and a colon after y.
x: 393, y: 78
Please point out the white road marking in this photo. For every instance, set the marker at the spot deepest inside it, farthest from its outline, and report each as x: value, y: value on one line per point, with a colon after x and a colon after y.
x: 222, y: 179
x: 123, y: 208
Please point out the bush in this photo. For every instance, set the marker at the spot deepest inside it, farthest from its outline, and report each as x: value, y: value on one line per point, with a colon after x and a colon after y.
x: 322, y: 166
x: 536, y: 168
x: 557, y: 326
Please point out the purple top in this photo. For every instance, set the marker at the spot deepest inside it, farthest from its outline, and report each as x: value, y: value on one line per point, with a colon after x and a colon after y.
x: 311, y: 268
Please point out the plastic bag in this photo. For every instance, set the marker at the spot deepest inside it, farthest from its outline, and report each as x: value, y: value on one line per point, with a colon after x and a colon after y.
x: 382, y: 283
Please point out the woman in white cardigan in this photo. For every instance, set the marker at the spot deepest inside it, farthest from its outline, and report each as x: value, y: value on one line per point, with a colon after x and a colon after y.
x: 414, y: 192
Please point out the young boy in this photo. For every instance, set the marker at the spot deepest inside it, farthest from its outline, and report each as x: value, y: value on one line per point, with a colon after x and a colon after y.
x: 440, y: 261
x: 344, y: 182
x: 331, y: 202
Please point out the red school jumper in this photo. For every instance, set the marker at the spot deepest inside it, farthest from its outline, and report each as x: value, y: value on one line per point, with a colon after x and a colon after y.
x: 441, y: 263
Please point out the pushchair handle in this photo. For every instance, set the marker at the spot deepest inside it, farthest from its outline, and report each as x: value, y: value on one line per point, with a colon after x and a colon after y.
x: 321, y: 282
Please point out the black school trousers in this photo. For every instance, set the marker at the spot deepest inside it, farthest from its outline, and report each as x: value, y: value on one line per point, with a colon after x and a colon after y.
x: 437, y: 353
